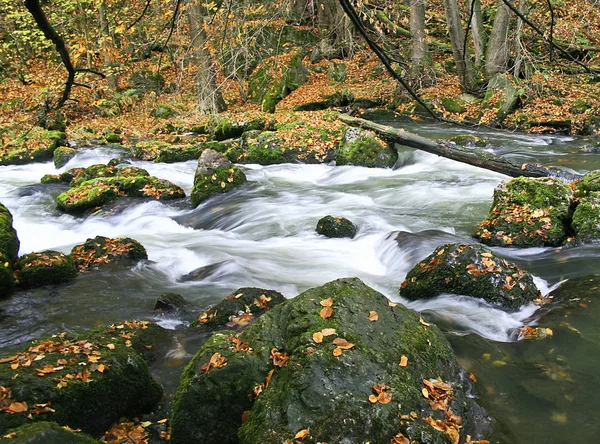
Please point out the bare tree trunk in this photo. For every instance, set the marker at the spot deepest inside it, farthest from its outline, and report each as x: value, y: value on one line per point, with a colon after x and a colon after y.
x: 107, y: 47
x: 210, y: 100
x: 497, y: 54
x: 478, y: 33
x: 336, y: 27
x: 420, y: 52
x: 463, y: 62
x: 299, y: 11
x: 520, y: 49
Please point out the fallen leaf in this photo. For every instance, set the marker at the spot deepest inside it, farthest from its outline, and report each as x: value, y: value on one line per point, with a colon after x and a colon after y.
x: 326, y: 312
x: 422, y: 322
x: 384, y: 398
x: 317, y: 337
x: 328, y: 331
x: 337, y: 351
x: 403, y: 361
x: 373, y: 399
x: 373, y: 316
x: 110, y: 346
x: 279, y: 359
x: 302, y: 434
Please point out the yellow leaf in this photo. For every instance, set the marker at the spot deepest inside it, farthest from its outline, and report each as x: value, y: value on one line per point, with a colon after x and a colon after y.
x: 328, y: 331
x: 110, y: 346
x: 326, y: 312
x: 403, y: 361
x: 337, y: 351
x: 318, y: 337
x: 302, y: 434
x: 373, y: 316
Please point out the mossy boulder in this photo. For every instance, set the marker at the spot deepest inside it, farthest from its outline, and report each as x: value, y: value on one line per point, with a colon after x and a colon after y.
x: 101, y: 170
x: 453, y: 105
x: 589, y: 183
x: 62, y: 155
x: 37, y: 145
x: 64, y: 177
x: 336, y: 71
x: 179, y: 153
x: 330, y: 226
x: 149, y: 149
x: 223, y: 128
x: 95, y: 193
x: 9, y: 250
x: 238, y: 309
x: 526, y: 213
x: 113, y: 138
x: 586, y: 218
x: 215, y: 175
x: 103, y: 250
x: 43, y: 432
x: 469, y: 140
x: 45, y: 268
x: 264, y: 148
x: 162, y: 112
x: 85, y: 381
x: 339, y: 362
x: 145, y: 81
x: 362, y: 148
x: 470, y: 270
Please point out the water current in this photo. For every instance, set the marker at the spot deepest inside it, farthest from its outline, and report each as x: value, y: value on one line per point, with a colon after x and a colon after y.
x: 263, y: 235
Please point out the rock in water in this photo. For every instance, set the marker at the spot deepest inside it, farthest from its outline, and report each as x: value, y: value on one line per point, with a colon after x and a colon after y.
x: 214, y: 175
x: 338, y: 363
x: 330, y: 226
x: 473, y: 271
x: 9, y: 249
x: 362, y: 148
x: 46, y: 268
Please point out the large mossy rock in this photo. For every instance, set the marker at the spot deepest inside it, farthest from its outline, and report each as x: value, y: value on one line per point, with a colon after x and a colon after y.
x: 103, y: 250
x: 339, y: 362
x: 223, y: 128
x: 101, y: 170
x: 362, y: 148
x: 586, y: 218
x: 37, y: 145
x: 43, y: 432
x: 95, y: 193
x: 527, y: 213
x: 470, y: 270
x: 62, y: 155
x: 9, y: 250
x: 215, y: 175
x: 179, y: 153
x: 45, y: 268
x: 330, y: 226
x: 263, y: 148
x: 589, y: 183
x: 85, y: 382
x: 238, y: 309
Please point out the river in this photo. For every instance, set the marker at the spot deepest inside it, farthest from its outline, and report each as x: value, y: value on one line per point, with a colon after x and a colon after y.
x: 263, y: 235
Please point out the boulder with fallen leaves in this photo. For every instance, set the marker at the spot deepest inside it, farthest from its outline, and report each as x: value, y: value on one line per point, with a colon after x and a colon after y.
x: 101, y: 170
x: 362, y: 148
x: 215, y: 175
x: 470, y: 270
x: 9, y: 249
x: 84, y: 381
x: 330, y: 226
x: 238, y: 309
x: 37, y: 145
x: 45, y: 268
x: 527, y: 213
x: 338, y: 363
x: 44, y: 432
x: 222, y: 127
x: 103, y: 250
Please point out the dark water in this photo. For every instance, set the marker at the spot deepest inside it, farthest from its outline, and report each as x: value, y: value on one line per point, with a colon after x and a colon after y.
x: 540, y: 391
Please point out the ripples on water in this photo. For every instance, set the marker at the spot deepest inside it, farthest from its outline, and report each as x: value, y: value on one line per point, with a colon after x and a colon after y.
x: 263, y: 235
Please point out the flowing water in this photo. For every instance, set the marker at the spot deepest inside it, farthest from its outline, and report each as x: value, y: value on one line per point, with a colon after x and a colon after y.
x: 263, y: 235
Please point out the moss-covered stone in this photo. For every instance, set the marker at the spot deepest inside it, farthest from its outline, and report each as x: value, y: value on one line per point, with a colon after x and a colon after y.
x: 470, y: 270
x: 87, y: 381
x: 46, y: 268
x: 9, y: 250
x: 149, y: 149
x: 589, y: 183
x: 286, y: 373
x: 50, y: 178
x: 223, y: 128
x: 145, y: 81
x: 113, y: 138
x: 102, y: 170
x: 95, y: 193
x: 103, y: 250
x: 162, y: 112
x: 330, y: 226
x: 62, y: 155
x: 362, y: 148
x: 43, y: 432
x: 238, y: 309
x: 215, y: 175
x: 179, y: 153
x: 527, y: 213
x: 453, y: 105
x: 586, y: 218
x: 264, y: 148
x: 37, y: 145
x: 336, y: 71
x: 469, y: 140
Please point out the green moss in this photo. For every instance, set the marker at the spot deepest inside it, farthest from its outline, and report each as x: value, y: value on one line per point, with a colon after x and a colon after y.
x: 90, y: 195
x: 179, y: 153
x: 330, y: 226
x: 221, y: 127
x: 162, y: 112
x: 42, y: 432
x: 590, y: 182
x: 586, y: 218
x: 101, y: 170
x: 453, y: 105
x: 37, y: 145
x: 527, y: 213
x: 361, y: 148
x: 95, y: 380
x: 9, y: 241
x: 113, y: 138
x: 62, y: 155
x: 218, y: 181
x: 46, y: 268
x: 149, y: 149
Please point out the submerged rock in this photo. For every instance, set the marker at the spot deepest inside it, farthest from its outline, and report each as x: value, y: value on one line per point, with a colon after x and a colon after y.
x: 362, y: 148
x: 238, y: 309
x: 104, y: 250
x: 470, y: 270
x: 46, y: 268
x: 86, y: 382
x: 330, y: 226
x: 338, y: 363
x: 9, y: 249
x: 215, y: 175
x: 43, y: 432
x: 526, y: 213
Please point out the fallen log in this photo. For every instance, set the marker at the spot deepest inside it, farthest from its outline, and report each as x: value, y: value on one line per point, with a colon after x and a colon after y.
x: 471, y: 156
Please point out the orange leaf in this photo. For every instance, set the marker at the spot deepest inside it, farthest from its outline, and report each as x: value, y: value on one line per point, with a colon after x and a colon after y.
x: 373, y: 316
x: 403, y: 361
x: 326, y: 312
x: 384, y: 398
x: 326, y: 302
x: 328, y: 331
x: 302, y: 434
x: 317, y: 337
x: 337, y: 351
x: 373, y: 399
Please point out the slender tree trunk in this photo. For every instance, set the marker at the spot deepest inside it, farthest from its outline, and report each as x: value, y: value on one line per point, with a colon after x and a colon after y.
x: 420, y: 52
x: 478, y: 33
x: 520, y: 49
x: 210, y: 100
x: 107, y: 47
x: 497, y: 54
x: 463, y: 62
x: 336, y: 27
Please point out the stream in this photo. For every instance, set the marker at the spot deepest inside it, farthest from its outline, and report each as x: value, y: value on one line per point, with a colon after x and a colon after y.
x: 263, y: 235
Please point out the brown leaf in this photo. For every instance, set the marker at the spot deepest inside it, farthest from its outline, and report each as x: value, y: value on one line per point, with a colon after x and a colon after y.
x: 384, y: 398
x: 326, y: 302
x: 403, y: 361
x: 17, y: 407
x: 337, y: 352
x: 279, y: 359
x: 373, y: 399
x: 343, y: 344
x: 326, y: 312
x: 317, y: 337
x: 302, y: 434
x: 373, y: 316
x: 328, y: 331
x: 422, y: 322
